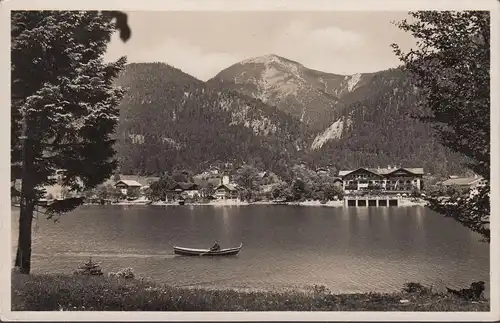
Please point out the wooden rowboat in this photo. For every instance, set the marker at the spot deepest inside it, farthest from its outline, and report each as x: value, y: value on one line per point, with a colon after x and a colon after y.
x: 206, y: 252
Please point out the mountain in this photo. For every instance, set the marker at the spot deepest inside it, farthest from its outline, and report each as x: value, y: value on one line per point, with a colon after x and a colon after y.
x: 169, y: 119
x: 378, y: 129
x: 312, y: 96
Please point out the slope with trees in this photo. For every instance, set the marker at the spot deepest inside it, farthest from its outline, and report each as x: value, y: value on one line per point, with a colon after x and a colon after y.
x: 169, y: 119
x: 379, y: 130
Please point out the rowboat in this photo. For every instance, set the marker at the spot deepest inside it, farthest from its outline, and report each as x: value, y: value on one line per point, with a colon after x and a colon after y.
x: 206, y: 252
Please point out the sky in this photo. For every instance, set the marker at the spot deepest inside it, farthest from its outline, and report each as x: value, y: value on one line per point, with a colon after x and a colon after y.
x: 204, y: 43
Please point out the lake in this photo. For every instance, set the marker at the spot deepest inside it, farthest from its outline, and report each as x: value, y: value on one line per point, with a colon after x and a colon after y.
x: 346, y: 249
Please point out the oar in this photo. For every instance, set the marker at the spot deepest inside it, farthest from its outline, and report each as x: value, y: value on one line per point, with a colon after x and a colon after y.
x: 201, y: 254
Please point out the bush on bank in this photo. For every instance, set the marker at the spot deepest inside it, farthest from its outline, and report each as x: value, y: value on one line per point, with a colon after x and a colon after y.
x: 113, y: 293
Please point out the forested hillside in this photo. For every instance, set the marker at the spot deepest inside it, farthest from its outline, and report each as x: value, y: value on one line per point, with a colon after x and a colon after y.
x: 169, y: 120
x: 378, y: 130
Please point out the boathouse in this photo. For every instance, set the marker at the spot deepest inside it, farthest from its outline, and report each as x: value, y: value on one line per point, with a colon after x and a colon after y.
x: 392, y: 180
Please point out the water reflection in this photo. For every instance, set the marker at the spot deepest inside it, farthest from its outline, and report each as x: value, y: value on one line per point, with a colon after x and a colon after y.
x: 226, y: 222
x: 349, y: 249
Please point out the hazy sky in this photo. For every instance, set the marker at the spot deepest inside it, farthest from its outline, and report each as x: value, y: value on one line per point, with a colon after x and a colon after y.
x: 203, y: 43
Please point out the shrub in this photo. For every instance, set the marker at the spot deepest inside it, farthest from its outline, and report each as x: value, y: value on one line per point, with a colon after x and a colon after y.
x: 321, y: 289
x: 417, y: 288
x: 127, y: 273
x: 89, y: 268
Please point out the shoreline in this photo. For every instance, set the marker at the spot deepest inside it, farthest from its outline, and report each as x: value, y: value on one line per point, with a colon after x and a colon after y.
x: 314, y: 203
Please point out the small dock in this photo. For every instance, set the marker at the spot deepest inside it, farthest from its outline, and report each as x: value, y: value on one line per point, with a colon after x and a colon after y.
x: 361, y: 201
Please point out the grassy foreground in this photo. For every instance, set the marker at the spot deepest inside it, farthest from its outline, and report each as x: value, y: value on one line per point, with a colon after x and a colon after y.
x: 92, y: 293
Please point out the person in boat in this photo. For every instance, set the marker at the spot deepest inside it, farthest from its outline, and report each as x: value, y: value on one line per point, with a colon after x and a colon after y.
x: 215, y: 247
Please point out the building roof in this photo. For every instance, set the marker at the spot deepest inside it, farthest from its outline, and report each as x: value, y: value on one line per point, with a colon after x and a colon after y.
x: 344, y: 172
x: 230, y: 187
x: 462, y: 181
x: 385, y: 171
x: 143, y: 180
x: 189, y: 186
x: 130, y: 183
x: 185, y: 186
x: 216, y: 181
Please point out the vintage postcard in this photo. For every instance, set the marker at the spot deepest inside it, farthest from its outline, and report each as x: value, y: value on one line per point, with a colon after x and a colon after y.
x: 250, y: 160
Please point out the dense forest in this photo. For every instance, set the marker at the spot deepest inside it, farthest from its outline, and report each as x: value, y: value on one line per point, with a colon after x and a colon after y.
x: 383, y: 130
x: 170, y: 120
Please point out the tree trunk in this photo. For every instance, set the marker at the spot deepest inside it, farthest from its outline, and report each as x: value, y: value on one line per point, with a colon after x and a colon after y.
x: 28, y: 199
x: 23, y: 256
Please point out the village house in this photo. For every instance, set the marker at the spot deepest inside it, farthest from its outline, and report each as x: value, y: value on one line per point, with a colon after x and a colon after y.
x: 128, y: 186
x: 463, y: 182
x: 390, y: 179
x: 145, y: 181
x: 186, y: 189
x: 226, y: 192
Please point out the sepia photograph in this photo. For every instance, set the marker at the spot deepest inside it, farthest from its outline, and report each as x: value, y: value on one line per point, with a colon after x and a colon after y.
x: 257, y: 157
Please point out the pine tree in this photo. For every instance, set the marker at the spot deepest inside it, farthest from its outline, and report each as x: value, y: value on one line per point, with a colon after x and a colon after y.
x: 451, y: 67
x: 64, y: 108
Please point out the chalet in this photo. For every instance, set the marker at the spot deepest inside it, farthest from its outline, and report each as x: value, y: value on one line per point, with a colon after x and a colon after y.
x: 226, y: 192
x: 190, y: 189
x: 184, y: 190
x: 128, y: 186
x: 397, y: 180
x: 463, y: 182
x: 145, y: 181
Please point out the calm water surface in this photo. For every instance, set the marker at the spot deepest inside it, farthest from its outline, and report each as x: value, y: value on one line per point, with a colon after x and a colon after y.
x: 346, y: 249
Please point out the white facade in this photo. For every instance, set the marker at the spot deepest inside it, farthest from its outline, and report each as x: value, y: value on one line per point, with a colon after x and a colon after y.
x: 192, y: 193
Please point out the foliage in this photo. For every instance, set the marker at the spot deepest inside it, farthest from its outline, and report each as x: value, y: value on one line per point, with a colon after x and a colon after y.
x: 121, y: 21
x: 300, y: 190
x: 160, y: 188
x: 58, y: 207
x: 105, y: 192
x: 64, y: 108
x: 65, y: 193
x: 76, y: 293
x: 332, y: 191
x: 133, y: 193
x: 247, y: 177
x: 282, y: 191
x: 148, y: 193
x: 413, y: 287
x: 209, y: 190
x: 89, y: 268
x: 125, y: 273
x: 470, y: 207
x: 379, y: 130
x: 451, y: 68
x: 170, y: 119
